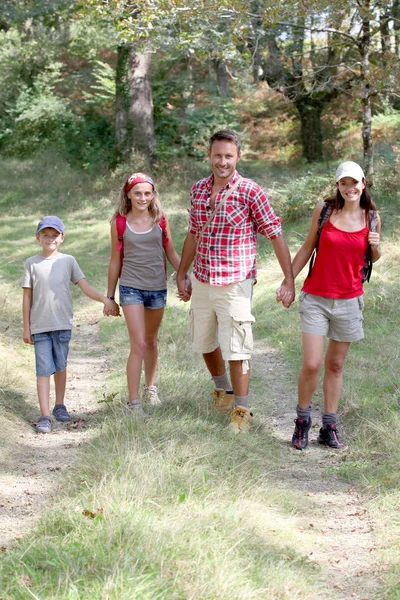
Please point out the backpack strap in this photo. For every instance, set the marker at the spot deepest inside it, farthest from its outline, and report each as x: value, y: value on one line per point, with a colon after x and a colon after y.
x: 372, y: 226
x: 120, y: 222
x: 163, y: 225
x: 322, y: 220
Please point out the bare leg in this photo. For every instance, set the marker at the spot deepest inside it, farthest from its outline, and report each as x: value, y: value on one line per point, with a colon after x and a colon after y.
x: 134, y: 317
x: 60, y: 382
x: 152, y: 322
x: 313, y: 350
x: 214, y: 362
x: 240, y: 381
x: 43, y: 390
x: 333, y: 377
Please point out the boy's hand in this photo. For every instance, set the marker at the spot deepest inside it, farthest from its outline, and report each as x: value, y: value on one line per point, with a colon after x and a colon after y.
x: 27, y: 337
x: 111, y: 308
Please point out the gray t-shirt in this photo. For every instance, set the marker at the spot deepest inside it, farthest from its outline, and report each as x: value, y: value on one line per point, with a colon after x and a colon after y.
x: 49, y: 278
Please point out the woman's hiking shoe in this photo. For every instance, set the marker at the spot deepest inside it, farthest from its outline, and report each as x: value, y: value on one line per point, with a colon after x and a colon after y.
x: 150, y: 395
x: 241, y: 418
x: 136, y: 409
x: 44, y: 425
x: 61, y: 414
x: 300, y: 435
x: 222, y: 400
x: 329, y: 436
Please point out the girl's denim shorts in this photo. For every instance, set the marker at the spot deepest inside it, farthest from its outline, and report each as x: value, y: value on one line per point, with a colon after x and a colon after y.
x: 51, y: 351
x: 152, y: 299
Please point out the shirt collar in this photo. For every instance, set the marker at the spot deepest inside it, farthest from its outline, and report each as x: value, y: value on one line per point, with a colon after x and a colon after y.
x: 231, y: 182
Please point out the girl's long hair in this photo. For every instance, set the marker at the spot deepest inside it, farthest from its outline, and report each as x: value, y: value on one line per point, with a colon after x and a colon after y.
x: 366, y: 202
x: 124, y: 205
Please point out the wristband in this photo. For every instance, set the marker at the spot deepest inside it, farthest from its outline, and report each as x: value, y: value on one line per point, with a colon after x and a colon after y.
x: 111, y: 298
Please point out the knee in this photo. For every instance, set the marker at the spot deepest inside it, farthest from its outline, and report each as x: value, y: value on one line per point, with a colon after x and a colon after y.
x: 151, y: 343
x: 334, y: 367
x: 311, y: 369
x: 138, y: 347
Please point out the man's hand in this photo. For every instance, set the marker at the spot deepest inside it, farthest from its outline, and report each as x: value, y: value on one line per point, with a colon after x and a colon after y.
x: 285, y: 293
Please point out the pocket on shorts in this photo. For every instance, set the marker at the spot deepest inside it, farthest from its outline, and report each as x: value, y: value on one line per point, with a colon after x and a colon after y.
x: 64, y: 335
x: 241, y: 336
x: 39, y: 337
x: 302, y: 297
x: 361, y: 302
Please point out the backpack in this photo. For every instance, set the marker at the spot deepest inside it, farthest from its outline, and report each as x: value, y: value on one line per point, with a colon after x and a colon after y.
x: 120, y: 222
x: 373, y: 226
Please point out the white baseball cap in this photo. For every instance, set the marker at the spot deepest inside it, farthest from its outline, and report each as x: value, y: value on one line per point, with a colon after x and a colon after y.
x: 349, y: 169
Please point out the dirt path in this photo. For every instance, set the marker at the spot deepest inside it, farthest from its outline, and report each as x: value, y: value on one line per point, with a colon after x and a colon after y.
x: 337, y: 531
x: 34, y: 467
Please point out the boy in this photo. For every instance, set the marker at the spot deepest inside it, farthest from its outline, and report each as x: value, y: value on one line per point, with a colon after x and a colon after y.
x: 47, y: 314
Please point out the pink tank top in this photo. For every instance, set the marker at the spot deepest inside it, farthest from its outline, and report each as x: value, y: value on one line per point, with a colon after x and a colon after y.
x: 337, y: 269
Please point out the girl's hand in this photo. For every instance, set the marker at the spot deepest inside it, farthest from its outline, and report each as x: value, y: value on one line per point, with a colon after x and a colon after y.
x: 111, y: 308
x: 373, y: 238
x: 184, y: 288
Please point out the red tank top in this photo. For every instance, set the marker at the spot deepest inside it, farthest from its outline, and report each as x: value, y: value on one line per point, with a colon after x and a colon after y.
x: 337, y: 269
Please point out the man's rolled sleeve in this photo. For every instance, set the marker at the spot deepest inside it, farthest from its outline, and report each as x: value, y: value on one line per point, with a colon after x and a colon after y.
x: 267, y: 222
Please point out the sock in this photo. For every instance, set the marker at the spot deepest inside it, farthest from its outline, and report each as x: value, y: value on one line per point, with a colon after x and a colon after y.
x: 242, y: 401
x: 222, y: 382
x: 328, y: 419
x: 135, y: 402
x: 303, y: 413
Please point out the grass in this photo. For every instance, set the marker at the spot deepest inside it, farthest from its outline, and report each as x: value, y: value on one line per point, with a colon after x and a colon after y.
x: 180, y: 508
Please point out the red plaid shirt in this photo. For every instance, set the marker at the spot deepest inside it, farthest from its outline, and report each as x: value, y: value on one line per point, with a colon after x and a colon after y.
x: 227, y: 249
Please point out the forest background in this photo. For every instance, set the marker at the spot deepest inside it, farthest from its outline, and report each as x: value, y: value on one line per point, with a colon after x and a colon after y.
x: 90, y: 91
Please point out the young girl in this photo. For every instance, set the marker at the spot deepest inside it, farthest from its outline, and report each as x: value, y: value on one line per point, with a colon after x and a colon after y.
x: 140, y: 235
x: 331, y: 300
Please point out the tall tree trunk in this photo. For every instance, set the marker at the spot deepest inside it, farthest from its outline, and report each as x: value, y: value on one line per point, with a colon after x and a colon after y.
x: 141, y: 103
x: 122, y: 103
x: 365, y: 44
x: 396, y: 25
x: 222, y: 78
x: 310, y: 111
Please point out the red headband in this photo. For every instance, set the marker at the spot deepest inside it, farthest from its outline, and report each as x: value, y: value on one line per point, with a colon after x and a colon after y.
x: 138, y: 178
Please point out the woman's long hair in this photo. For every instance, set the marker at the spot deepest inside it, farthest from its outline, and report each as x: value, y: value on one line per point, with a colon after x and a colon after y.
x: 124, y: 205
x: 366, y: 202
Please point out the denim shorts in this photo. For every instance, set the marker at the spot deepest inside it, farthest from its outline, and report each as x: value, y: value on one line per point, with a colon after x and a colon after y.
x: 341, y: 319
x: 152, y: 299
x: 51, y: 351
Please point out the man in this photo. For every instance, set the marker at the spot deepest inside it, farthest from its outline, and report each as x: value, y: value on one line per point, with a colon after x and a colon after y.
x: 224, y: 252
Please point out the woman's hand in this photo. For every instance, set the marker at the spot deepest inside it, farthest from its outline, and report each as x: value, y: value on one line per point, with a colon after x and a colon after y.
x: 374, y: 238
x: 111, y: 308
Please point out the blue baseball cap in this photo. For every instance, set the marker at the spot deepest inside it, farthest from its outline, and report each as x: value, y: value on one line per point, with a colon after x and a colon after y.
x: 51, y: 221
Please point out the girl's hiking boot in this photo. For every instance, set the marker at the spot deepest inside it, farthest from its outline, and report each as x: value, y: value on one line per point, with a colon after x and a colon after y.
x: 44, y: 425
x: 61, y: 414
x: 241, y: 418
x: 329, y: 436
x: 300, y: 435
x: 136, y: 409
x: 150, y: 395
x: 222, y: 400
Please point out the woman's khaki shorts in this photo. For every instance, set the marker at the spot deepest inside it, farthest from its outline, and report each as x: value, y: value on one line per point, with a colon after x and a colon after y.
x: 339, y: 319
x: 221, y: 316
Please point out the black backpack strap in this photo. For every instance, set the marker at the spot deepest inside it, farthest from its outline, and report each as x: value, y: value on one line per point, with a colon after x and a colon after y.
x: 322, y: 220
x: 372, y: 226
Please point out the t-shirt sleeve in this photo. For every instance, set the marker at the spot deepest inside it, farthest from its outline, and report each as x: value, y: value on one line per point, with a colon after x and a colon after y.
x: 76, y: 272
x: 27, y: 276
x: 267, y: 222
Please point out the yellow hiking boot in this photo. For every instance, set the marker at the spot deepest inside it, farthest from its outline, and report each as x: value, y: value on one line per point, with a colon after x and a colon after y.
x: 240, y: 420
x: 223, y: 401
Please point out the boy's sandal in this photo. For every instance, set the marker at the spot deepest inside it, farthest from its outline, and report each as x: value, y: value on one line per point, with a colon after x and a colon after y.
x: 44, y: 425
x: 61, y: 414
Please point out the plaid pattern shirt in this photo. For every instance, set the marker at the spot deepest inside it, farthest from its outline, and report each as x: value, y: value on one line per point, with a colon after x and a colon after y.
x: 227, y: 250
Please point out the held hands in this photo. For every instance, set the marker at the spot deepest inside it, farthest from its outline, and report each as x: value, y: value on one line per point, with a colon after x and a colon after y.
x: 111, y: 308
x: 285, y: 293
x: 184, y: 288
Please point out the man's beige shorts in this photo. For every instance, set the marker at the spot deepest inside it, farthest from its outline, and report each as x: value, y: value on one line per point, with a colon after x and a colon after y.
x: 221, y: 316
x: 339, y: 319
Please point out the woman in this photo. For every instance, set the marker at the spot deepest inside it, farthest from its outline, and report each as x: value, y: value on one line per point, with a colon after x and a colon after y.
x: 331, y: 300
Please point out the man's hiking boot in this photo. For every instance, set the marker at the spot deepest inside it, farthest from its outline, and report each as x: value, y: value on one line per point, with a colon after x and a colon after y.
x: 223, y: 401
x: 329, y: 436
x: 241, y: 418
x: 61, y: 414
x: 300, y: 435
x: 44, y: 425
x: 150, y: 395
